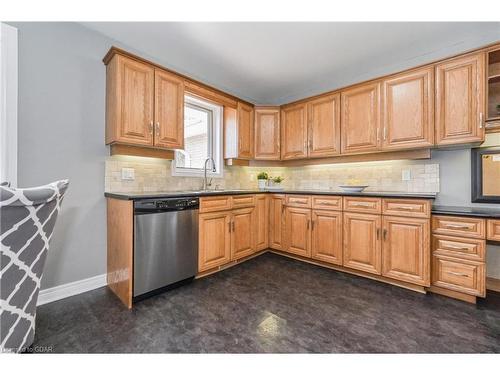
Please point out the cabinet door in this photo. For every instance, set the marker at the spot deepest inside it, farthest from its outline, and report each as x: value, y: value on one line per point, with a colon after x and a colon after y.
x: 242, y: 233
x: 267, y: 134
x: 276, y: 220
x: 130, y: 106
x: 245, y: 131
x: 261, y: 224
x: 324, y: 126
x: 460, y: 100
x: 406, y: 249
x: 298, y: 231
x: 214, y: 240
x: 327, y: 236
x: 294, y: 132
x: 169, y: 110
x: 362, y: 244
x: 408, y: 110
x: 360, y: 121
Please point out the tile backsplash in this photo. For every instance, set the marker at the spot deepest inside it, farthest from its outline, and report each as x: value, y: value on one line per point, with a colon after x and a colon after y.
x: 155, y: 175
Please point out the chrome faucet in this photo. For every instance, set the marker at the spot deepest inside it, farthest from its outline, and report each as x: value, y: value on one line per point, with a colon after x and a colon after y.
x: 207, y: 184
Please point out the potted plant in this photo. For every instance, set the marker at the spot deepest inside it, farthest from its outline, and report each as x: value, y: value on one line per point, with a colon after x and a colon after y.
x: 277, y: 180
x: 262, y: 178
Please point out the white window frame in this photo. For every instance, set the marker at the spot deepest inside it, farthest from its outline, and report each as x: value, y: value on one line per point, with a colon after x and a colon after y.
x: 8, y: 104
x: 215, y: 136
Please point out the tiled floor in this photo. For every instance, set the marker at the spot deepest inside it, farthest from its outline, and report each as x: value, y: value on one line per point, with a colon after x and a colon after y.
x: 272, y: 304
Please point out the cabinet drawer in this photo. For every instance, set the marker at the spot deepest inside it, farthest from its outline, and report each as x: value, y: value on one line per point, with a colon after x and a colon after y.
x: 464, y: 248
x: 406, y: 207
x: 213, y: 204
x: 302, y: 201
x: 461, y: 275
x: 240, y: 201
x: 493, y: 230
x: 326, y: 203
x: 363, y: 204
x: 459, y: 226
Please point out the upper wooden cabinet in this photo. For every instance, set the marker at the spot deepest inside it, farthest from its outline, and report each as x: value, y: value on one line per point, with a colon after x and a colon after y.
x: 294, y: 132
x: 169, y: 110
x: 323, y: 116
x: 408, y: 110
x: 129, y: 102
x: 239, y: 132
x: 460, y: 100
x: 267, y: 133
x: 144, y: 105
x: 360, y: 119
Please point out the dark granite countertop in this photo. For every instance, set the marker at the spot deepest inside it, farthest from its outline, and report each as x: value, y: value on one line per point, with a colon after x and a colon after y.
x: 466, y: 211
x: 198, y: 193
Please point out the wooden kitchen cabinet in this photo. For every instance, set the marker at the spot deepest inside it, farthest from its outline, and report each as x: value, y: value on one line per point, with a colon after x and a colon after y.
x: 460, y: 100
x: 362, y: 242
x: 129, y: 102
x: 276, y: 221
x: 360, y: 119
x: 261, y: 223
x: 294, y: 132
x: 406, y: 249
x: 323, y: 116
x: 169, y: 110
x: 242, y: 228
x: 214, y: 239
x: 298, y: 231
x: 326, y: 237
x: 267, y: 133
x: 239, y: 132
x: 408, y: 110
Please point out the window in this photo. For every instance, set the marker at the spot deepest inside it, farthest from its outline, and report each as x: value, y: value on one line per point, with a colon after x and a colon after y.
x: 202, y: 139
x: 8, y: 104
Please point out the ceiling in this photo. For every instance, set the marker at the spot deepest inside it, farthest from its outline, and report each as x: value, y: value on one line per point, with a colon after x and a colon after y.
x: 276, y: 63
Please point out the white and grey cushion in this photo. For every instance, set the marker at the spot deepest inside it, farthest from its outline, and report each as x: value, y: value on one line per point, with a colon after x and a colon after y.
x: 27, y: 219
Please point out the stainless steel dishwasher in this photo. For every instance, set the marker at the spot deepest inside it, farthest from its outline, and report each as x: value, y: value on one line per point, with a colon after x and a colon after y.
x: 165, y: 244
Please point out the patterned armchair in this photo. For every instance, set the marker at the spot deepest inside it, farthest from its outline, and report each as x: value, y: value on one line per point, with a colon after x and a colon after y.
x: 27, y: 219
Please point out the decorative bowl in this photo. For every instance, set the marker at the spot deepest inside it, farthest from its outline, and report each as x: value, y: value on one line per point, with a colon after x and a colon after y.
x: 353, y: 188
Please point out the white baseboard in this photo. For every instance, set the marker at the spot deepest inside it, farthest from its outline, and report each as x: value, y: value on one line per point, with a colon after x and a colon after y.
x: 70, y: 289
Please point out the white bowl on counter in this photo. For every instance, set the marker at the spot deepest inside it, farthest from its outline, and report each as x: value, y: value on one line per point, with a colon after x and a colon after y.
x: 353, y: 188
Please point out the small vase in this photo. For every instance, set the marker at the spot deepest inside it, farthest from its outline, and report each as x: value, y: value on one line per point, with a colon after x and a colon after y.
x: 262, y: 184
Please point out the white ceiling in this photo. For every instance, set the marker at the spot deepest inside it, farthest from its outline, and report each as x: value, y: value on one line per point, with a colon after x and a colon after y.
x: 275, y: 63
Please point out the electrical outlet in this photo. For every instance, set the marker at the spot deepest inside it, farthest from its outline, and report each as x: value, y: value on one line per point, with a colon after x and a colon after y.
x: 128, y: 174
x: 406, y: 175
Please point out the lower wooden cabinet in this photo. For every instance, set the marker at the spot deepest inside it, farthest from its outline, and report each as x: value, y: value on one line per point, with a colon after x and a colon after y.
x: 298, y: 231
x: 214, y: 240
x: 276, y: 221
x: 261, y: 222
x: 406, y: 249
x: 326, y: 237
x: 460, y: 275
x: 362, y: 244
x: 242, y: 243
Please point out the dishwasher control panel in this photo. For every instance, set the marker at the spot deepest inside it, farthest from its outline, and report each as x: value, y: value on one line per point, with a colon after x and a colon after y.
x: 168, y: 204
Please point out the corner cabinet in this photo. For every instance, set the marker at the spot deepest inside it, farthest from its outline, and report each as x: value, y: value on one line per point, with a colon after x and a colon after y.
x: 267, y: 133
x: 276, y: 221
x: 144, y: 105
x: 360, y: 119
x: 239, y: 132
x: 408, y: 110
x: 298, y: 231
x: 460, y: 100
x: 294, y: 132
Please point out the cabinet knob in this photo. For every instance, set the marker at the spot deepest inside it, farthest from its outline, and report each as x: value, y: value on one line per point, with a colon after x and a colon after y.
x: 481, y: 120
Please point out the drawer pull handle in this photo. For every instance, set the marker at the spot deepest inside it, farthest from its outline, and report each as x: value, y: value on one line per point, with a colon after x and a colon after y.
x: 406, y: 208
x: 361, y: 204
x: 457, y: 226
x: 326, y: 203
x: 457, y: 247
x: 457, y: 274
